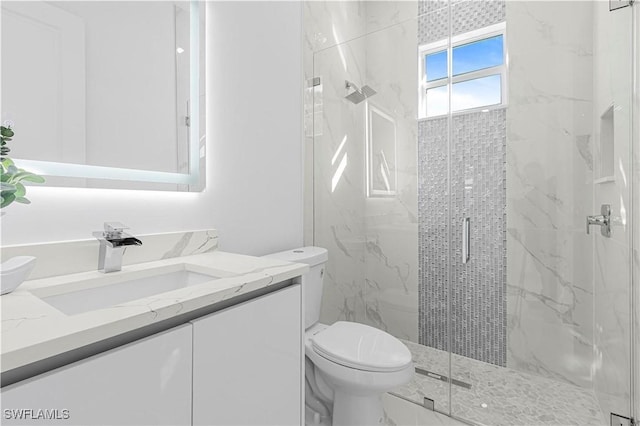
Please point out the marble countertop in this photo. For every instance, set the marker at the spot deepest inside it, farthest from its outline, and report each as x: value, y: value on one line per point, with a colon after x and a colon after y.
x: 33, y: 330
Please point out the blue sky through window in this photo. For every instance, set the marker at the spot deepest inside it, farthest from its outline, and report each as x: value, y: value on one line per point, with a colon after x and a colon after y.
x: 436, y: 65
x: 478, y: 55
x: 437, y: 101
x: 476, y: 93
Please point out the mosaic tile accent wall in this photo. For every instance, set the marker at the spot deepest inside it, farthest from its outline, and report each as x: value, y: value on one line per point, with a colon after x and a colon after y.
x: 433, y: 25
x: 478, y: 174
x: 471, y: 15
x: 478, y: 288
x: 433, y: 22
x: 427, y: 6
x: 478, y: 305
x: 433, y: 241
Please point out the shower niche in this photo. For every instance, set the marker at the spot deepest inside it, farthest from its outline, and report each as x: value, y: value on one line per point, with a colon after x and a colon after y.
x: 381, y: 153
x: 606, y: 142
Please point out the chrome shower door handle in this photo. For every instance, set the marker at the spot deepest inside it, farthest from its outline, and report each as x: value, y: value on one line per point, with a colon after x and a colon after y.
x: 466, y: 245
x: 603, y: 220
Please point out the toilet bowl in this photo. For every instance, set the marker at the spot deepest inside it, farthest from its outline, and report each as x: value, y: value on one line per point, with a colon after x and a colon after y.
x: 353, y: 365
x: 349, y: 366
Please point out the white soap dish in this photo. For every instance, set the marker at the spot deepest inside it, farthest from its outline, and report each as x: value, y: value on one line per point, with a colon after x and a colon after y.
x: 14, y: 271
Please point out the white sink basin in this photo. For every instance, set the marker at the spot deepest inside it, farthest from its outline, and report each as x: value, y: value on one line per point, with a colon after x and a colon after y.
x: 121, y: 287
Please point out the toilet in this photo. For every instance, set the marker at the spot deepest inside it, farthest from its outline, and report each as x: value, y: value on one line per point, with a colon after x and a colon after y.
x: 348, y: 366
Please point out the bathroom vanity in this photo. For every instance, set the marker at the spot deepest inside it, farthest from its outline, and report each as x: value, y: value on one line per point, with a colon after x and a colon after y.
x: 223, y: 351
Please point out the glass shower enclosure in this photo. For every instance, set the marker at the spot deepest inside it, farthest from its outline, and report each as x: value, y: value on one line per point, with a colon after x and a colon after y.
x: 472, y: 168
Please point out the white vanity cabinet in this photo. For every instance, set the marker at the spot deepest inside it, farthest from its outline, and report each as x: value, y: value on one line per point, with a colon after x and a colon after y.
x: 238, y: 366
x: 247, y: 362
x: 147, y: 382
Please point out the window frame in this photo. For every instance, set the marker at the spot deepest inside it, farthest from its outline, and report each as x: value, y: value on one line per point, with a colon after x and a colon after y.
x: 448, y: 81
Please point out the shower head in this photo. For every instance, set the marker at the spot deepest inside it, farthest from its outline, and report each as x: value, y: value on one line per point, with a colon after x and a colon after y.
x: 367, y: 91
x: 358, y: 95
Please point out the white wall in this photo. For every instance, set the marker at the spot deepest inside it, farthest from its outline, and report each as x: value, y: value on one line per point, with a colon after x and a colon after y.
x: 254, y: 159
x: 255, y: 110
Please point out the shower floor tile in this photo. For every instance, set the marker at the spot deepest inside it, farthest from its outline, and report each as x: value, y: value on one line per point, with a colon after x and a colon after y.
x: 498, y: 396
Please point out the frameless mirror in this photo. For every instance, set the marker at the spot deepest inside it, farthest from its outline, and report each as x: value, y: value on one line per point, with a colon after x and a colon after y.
x: 106, y: 94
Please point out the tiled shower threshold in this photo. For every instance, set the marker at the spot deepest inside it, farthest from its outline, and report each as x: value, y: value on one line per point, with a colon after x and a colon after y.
x: 498, y: 396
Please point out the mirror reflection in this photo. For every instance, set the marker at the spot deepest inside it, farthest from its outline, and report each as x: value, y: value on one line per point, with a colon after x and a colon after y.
x: 102, y: 83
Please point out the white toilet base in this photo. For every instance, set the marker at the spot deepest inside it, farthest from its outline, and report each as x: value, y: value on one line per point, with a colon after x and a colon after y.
x: 357, y: 410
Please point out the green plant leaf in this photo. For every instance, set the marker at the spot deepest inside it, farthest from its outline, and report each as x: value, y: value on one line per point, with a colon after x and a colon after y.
x: 30, y: 177
x: 4, y: 186
x: 6, y: 200
x: 11, y: 188
x: 26, y: 176
x: 8, y: 192
x: 20, y: 191
x: 22, y: 200
x: 19, y: 175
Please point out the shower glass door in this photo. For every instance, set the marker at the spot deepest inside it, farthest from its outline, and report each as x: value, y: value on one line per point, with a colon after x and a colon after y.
x: 456, y: 157
x: 540, y: 311
x: 366, y: 198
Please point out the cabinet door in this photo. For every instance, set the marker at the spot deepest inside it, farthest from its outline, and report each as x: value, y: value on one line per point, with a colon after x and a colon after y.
x: 147, y: 382
x: 247, y: 363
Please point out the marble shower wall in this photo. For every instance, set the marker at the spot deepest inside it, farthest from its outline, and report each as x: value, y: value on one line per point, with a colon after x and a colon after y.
x: 612, y: 34
x: 337, y: 185
x: 326, y: 24
x: 549, y: 189
x: 391, y: 255
x: 372, y: 270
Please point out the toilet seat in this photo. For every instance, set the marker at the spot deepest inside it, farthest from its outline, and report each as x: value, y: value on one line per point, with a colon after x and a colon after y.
x: 361, y: 347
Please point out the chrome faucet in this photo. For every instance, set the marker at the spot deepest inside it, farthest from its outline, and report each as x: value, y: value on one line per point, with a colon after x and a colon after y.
x: 113, y: 241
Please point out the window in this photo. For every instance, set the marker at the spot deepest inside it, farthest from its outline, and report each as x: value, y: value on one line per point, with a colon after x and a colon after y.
x: 472, y: 68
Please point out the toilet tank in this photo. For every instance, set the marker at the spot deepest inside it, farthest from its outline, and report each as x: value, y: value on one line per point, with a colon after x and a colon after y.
x: 316, y: 258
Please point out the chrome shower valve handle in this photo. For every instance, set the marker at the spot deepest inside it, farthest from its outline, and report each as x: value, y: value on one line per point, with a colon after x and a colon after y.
x: 603, y: 220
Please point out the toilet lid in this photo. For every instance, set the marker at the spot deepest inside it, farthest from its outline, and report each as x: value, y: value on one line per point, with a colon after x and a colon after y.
x: 362, y: 347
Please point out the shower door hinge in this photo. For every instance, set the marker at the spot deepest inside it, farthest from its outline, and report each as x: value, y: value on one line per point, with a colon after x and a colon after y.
x: 428, y: 403
x: 618, y: 420
x: 187, y: 121
x: 315, y: 81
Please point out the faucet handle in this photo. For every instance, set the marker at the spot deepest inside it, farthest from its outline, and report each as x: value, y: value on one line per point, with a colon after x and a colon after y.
x: 114, y: 229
